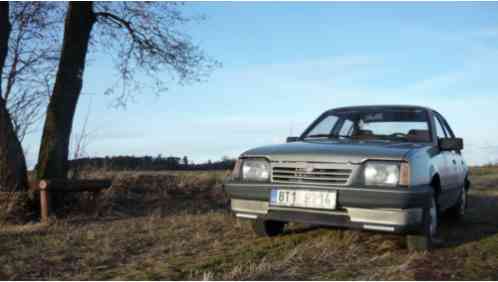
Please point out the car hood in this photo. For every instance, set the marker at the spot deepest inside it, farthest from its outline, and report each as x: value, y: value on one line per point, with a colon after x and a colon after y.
x: 334, y: 151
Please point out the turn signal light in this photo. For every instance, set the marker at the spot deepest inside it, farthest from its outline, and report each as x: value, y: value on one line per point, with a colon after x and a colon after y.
x: 236, y: 170
x: 404, y: 174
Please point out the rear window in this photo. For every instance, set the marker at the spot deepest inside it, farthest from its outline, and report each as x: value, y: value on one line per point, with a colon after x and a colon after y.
x: 391, y: 127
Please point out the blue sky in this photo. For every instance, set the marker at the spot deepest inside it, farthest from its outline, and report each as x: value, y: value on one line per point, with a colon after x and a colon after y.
x: 285, y: 63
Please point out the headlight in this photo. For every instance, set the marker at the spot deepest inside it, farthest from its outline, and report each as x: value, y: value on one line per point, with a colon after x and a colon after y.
x: 381, y: 173
x: 255, y: 170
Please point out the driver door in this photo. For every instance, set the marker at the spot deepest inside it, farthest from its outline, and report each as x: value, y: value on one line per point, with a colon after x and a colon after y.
x: 444, y: 161
x: 458, y: 179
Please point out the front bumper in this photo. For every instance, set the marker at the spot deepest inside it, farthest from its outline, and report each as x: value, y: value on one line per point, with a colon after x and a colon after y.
x: 397, y: 210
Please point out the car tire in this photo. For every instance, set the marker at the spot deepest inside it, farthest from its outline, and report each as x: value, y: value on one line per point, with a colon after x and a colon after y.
x: 268, y: 228
x: 457, y: 211
x: 425, y: 240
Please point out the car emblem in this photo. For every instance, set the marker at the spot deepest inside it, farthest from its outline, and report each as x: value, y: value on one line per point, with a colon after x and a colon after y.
x: 308, y: 169
x: 302, y: 171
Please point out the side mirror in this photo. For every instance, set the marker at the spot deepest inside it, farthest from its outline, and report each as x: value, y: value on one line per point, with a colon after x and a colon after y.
x: 292, y: 139
x: 450, y: 144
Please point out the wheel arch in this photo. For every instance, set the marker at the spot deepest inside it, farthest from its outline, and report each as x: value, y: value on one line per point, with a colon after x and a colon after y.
x: 436, y: 184
x: 467, y: 182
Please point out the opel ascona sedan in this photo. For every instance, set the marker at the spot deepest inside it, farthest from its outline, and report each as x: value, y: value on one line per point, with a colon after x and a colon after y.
x: 381, y: 168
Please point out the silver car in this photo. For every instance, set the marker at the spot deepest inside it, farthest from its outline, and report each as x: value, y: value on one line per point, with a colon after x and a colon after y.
x: 382, y: 168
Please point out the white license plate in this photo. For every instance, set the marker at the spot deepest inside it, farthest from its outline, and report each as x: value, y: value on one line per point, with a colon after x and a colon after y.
x: 304, y: 198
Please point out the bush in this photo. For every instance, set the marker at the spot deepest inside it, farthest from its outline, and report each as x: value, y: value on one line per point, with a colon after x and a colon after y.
x: 16, y: 207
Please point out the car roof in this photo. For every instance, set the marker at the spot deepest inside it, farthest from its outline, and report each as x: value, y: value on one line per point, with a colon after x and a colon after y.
x: 381, y: 107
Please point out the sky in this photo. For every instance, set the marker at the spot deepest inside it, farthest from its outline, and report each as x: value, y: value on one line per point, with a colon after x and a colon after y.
x: 283, y: 64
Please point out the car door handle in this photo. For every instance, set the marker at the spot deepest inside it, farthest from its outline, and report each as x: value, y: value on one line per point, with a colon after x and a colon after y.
x: 454, y: 162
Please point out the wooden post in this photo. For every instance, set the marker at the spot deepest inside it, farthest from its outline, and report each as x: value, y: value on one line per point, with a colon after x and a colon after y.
x: 44, y: 201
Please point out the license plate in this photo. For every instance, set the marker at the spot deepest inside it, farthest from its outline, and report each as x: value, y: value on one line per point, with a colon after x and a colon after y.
x: 304, y: 198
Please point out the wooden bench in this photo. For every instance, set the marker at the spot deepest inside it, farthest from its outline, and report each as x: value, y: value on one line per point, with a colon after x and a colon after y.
x: 47, y: 186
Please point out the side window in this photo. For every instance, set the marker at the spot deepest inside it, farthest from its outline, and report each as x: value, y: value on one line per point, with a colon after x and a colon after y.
x: 347, y: 128
x: 446, y: 127
x: 440, y: 132
x: 324, y: 127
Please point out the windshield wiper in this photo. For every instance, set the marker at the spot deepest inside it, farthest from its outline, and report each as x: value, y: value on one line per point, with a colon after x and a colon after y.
x: 317, y: 136
x: 329, y: 136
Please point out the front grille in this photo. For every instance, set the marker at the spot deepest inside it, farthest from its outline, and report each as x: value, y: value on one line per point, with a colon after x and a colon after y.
x: 308, y: 173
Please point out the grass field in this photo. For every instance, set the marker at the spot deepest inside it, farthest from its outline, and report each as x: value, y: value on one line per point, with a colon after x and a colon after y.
x: 158, y: 226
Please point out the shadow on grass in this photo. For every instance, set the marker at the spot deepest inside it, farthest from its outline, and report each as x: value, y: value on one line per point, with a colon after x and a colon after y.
x: 480, y: 221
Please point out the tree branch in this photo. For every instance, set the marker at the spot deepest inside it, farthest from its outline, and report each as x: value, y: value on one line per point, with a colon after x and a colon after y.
x: 120, y: 22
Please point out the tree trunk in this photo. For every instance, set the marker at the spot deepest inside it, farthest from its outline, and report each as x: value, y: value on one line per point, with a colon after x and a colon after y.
x: 53, y: 156
x: 13, y: 176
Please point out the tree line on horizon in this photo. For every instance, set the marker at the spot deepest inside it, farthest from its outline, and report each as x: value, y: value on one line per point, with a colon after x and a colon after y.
x: 120, y: 163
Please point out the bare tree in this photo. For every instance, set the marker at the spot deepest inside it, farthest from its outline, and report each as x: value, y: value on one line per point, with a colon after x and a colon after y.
x: 28, y: 43
x: 143, y: 38
x: 53, y: 155
x: 31, y: 61
x: 146, y: 42
x: 13, y: 175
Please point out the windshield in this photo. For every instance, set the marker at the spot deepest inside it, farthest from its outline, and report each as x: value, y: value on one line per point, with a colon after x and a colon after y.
x: 402, y: 125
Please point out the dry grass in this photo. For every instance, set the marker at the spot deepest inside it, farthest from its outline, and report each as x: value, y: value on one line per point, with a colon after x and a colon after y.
x: 159, y: 226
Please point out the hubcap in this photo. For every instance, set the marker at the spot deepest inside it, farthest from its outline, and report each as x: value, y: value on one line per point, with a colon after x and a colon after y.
x: 433, y: 224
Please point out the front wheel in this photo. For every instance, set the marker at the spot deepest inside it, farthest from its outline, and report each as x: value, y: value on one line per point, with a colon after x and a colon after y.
x: 426, y: 238
x: 268, y: 228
